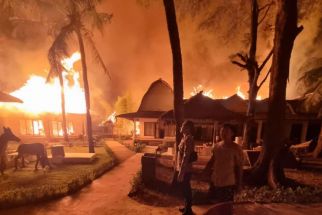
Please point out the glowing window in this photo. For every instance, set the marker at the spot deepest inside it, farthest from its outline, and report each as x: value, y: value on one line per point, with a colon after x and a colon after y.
x: 57, y: 129
x: 32, y: 127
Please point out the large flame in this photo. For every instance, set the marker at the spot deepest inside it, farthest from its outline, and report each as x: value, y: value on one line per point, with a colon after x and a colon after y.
x: 40, y: 96
x: 210, y: 93
x: 243, y: 96
x: 240, y: 93
x: 112, y: 117
x: 200, y: 88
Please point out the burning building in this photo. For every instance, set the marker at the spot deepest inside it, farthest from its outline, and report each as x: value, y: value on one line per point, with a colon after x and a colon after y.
x: 154, y: 120
x: 39, y: 117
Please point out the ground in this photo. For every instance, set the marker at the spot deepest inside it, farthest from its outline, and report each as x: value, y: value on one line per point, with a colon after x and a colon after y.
x: 109, y: 195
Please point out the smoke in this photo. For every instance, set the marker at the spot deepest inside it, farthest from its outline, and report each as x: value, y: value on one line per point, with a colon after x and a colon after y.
x: 307, y: 51
x: 136, y: 49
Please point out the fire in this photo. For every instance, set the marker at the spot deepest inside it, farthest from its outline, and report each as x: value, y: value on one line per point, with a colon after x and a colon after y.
x: 210, y: 94
x: 137, y: 128
x: 240, y: 93
x: 112, y: 117
x: 199, y: 88
x: 243, y: 96
x: 40, y: 96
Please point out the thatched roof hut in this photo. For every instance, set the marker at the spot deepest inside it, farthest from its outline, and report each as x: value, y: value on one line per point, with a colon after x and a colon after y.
x: 157, y: 100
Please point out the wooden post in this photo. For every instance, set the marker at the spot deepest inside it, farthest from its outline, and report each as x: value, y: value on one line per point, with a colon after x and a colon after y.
x: 259, y: 130
x: 305, y: 126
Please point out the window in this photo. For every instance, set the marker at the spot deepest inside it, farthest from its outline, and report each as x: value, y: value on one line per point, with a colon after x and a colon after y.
x: 149, y: 128
x: 32, y: 127
x: 70, y: 128
x: 57, y: 129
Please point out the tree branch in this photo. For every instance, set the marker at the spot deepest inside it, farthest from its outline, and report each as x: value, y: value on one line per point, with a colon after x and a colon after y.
x: 267, y: 6
x: 266, y: 76
x: 242, y: 57
x: 239, y: 64
x: 265, y: 61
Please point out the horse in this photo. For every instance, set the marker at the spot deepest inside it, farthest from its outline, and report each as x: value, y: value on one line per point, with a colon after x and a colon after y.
x: 37, y: 149
x: 4, y: 138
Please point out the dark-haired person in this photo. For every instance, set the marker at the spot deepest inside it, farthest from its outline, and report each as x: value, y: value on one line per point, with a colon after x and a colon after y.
x: 227, y: 166
x: 184, y: 164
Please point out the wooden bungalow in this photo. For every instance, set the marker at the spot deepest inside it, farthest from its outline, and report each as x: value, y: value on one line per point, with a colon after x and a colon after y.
x: 154, y: 121
x: 207, y: 115
x: 302, y: 125
x: 156, y: 101
x: 43, y: 127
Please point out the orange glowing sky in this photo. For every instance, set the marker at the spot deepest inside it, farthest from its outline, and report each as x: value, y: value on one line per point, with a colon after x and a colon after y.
x: 136, y: 50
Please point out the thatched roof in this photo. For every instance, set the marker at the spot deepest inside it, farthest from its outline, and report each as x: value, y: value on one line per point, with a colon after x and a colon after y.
x: 159, y: 97
x: 4, y: 97
x: 141, y: 114
x: 157, y: 100
x: 203, y: 107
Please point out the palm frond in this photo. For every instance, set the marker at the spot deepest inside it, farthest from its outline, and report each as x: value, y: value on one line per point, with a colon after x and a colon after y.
x: 312, y: 75
x: 96, y: 56
x: 311, y: 79
x: 95, y: 19
x: 59, y: 49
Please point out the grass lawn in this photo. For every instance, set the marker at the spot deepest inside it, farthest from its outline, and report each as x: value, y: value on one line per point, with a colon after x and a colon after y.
x: 26, y: 185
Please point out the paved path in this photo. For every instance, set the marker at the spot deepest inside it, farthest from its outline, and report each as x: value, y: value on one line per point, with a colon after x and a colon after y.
x: 108, y: 195
x: 121, y: 152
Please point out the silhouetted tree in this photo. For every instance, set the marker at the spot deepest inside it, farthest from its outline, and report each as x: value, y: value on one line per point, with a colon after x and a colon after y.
x: 249, y: 62
x: 268, y: 169
x: 177, y: 66
x: 80, y: 12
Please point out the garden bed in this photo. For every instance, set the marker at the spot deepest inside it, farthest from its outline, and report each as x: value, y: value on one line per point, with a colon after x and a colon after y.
x: 162, y: 195
x: 26, y: 185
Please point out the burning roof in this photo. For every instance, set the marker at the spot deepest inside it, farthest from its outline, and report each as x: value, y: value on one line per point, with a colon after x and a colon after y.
x: 4, y: 97
x: 204, y: 107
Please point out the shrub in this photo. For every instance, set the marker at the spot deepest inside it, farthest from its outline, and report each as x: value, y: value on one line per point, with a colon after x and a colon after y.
x: 136, y: 183
x: 264, y: 194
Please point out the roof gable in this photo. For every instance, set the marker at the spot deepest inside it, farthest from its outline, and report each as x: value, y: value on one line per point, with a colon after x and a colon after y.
x: 159, y: 97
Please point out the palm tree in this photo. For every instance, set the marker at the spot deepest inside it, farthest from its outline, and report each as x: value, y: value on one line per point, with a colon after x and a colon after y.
x: 57, y: 70
x: 177, y: 66
x: 80, y: 12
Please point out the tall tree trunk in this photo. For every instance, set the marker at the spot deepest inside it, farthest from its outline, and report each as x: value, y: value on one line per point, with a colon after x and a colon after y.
x: 177, y: 67
x: 63, y: 112
x: 318, y: 149
x: 252, y: 77
x: 268, y: 169
x: 87, y: 95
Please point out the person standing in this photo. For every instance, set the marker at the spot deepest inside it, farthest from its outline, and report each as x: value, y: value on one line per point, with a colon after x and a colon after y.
x: 226, y: 164
x: 184, y: 164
